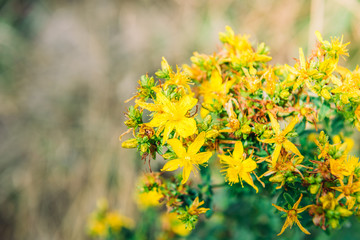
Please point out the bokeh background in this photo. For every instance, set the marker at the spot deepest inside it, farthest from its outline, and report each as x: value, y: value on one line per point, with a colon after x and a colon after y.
x: 66, y: 68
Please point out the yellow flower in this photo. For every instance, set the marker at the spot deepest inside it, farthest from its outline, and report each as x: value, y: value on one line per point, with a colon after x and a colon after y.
x: 171, y: 222
x: 170, y: 115
x: 347, y: 89
x: 188, y: 159
x: 336, y: 48
x: 344, y: 166
x: 302, y: 71
x: 280, y: 138
x: 150, y: 198
x: 194, y: 208
x: 116, y: 221
x: 237, y: 167
x: 180, y: 78
x: 348, y: 190
x: 328, y: 201
x: 292, y: 216
x: 215, y: 89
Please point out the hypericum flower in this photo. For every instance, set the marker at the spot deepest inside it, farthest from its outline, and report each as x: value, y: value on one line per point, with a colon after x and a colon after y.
x: 194, y: 208
x: 344, y: 166
x: 292, y: 216
x: 328, y: 201
x: 348, y: 190
x: 150, y: 198
x: 170, y: 115
x: 215, y: 89
x: 180, y: 78
x: 189, y: 160
x: 171, y: 222
x: 283, y: 165
x: 302, y: 71
x: 347, y: 89
x: 280, y: 138
x: 336, y: 48
x: 237, y: 167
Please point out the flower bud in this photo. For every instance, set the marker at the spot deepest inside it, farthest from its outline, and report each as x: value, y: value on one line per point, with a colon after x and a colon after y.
x: 267, y: 134
x: 277, y: 178
x: 130, y: 143
x: 325, y: 94
x: 130, y: 123
x: 246, y: 129
x: 212, y: 133
x: 343, y: 211
x: 314, y: 188
x: 144, y: 147
x: 284, y: 94
x: 334, y: 223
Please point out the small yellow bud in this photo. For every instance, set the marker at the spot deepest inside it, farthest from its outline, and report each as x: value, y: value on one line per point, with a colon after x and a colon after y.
x: 284, y: 94
x: 303, y: 111
x: 269, y: 106
x: 334, y: 223
x: 246, y: 129
x: 212, y: 133
x: 314, y: 188
x: 130, y: 123
x: 267, y: 134
x: 344, y: 99
x: 277, y: 178
x: 130, y: 143
x: 325, y: 94
x: 144, y: 148
x: 344, y: 212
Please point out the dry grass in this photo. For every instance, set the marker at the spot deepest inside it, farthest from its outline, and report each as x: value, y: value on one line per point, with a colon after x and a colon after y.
x: 68, y: 66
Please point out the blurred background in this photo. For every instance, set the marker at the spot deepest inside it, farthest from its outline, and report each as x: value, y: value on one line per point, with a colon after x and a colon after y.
x: 66, y: 68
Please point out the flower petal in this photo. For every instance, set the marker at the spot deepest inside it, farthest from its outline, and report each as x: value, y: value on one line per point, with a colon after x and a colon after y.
x: 202, y: 157
x: 286, y: 224
x: 301, y: 227
x: 274, y: 123
x: 247, y: 178
x: 276, y: 154
x: 177, y: 146
x: 197, y: 144
x: 167, y: 130
x: 238, y: 150
x: 291, y: 126
x: 186, y: 127
x: 158, y: 120
x: 185, y: 104
x: 186, y: 172
x: 289, y: 146
x: 172, y: 165
x: 224, y: 159
x: 249, y: 165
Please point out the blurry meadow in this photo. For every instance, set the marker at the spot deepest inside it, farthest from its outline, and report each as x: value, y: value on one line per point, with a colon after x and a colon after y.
x: 66, y: 68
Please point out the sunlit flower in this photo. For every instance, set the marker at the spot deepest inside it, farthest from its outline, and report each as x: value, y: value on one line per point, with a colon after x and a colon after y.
x: 172, y: 115
x: 292, y: 216
x: 348, y: 190
x: 237, y: 168
x: 188, y: 159
x: 280, y: 139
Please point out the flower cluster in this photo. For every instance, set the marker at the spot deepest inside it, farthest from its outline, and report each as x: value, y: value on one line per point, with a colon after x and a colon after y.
x: 256, y: 125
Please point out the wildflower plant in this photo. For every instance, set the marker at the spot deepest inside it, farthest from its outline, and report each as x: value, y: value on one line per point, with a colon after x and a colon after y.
x: 233, y: 120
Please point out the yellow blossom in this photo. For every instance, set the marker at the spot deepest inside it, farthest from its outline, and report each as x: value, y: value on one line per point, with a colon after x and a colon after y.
x: 172, y: 223
x: 280, y: 139
x: 348, y: 190
x: 170, y: 115
x: 328, y: 201
x: 237, y: 167
x: 302, y: 70
x: 180, y: 78
x: 292, y: 216
x: 194, y: 208
x: 188, y: 159
x: 344, y: 166
x: 215, y: 89
x: 150, y: 198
